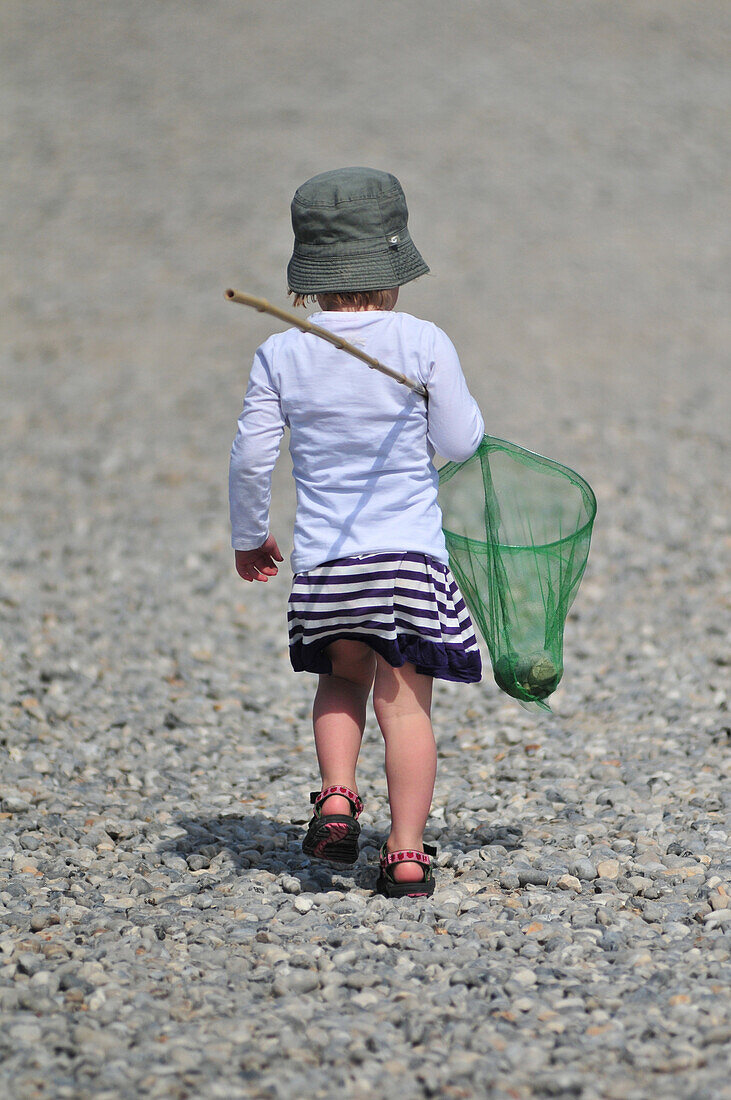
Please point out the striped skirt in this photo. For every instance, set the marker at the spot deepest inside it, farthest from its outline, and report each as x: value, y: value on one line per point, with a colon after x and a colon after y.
x: 405, y: 606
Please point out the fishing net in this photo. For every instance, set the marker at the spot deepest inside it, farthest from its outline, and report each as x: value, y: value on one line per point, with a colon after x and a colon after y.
x: 518, y: 528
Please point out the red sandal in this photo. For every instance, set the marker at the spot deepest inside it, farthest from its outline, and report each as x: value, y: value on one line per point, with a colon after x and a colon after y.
x: 390, y: 888
x: 333, y: 836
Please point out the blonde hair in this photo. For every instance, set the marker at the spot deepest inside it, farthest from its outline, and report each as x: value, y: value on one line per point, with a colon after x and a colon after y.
x: 346, y: 300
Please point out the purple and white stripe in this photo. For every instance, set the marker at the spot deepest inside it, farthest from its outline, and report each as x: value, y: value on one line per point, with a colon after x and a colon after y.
x: 405, y: 606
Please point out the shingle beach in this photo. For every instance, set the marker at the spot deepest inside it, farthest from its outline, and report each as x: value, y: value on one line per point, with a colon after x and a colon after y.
x: 161, y: 933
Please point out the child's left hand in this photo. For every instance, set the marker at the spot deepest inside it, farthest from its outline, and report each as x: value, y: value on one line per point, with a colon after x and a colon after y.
x: 258, y: 565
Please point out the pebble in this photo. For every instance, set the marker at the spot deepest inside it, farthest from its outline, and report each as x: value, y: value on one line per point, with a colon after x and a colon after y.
x: 524, y: 977
x: 14, y: 804
x: 533, y: 877
x: 569, y: 882
x: 718, y: 918
x: 608, y: 868
x: 43, y: 918
x: 295, y: 982
x: 583, y: 869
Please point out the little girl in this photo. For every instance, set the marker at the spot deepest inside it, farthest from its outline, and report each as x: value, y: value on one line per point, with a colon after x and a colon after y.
x: 373, y: 604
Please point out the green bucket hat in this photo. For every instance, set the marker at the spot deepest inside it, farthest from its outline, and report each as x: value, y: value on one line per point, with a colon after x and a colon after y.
x: 350, y: 233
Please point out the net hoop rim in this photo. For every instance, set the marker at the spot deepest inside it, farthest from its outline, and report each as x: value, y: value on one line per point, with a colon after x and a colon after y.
x: 493, y: 443
x: 465, y: 542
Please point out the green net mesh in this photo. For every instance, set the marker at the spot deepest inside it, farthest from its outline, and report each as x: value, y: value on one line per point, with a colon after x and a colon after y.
x: 518, y: 528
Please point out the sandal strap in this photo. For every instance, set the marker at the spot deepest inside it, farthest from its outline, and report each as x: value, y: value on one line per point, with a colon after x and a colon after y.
x: 410, y: 855
x: 318, y: 797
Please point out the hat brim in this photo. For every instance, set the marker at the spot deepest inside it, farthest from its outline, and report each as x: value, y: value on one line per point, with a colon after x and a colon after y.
x: 311, y: 271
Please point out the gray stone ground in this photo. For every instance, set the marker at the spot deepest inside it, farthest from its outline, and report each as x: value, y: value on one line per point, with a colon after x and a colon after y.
x: 161, y: 934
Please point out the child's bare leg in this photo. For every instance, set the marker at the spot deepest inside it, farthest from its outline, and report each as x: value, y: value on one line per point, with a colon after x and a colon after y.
x: 402, y: 702
x: 339, y: 715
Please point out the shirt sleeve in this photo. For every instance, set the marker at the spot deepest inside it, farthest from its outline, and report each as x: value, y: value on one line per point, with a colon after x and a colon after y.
x: 253, y: 455
x: 455, y: 424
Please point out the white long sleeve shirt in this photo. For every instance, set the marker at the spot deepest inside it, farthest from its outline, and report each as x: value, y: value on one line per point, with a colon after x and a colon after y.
x: 361, y: 444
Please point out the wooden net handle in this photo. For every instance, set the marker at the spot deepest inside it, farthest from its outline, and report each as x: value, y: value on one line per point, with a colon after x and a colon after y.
x: 263, y: 306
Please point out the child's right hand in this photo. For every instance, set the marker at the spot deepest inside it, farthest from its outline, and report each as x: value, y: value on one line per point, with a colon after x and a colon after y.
x: 258, y: 565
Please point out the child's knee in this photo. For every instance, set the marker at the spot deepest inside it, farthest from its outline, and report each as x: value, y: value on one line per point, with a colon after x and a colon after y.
x: 400, y: 691
x: 353, y: 661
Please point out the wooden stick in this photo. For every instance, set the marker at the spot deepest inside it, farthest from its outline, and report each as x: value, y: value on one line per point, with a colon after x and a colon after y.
x: 263, y: 306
